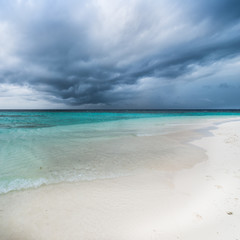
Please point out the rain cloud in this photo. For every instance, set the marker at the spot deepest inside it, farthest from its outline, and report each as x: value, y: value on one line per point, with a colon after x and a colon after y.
x: 120, y: 54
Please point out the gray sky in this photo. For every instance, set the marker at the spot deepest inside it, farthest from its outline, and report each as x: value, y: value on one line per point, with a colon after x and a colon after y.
x: 120, y: 54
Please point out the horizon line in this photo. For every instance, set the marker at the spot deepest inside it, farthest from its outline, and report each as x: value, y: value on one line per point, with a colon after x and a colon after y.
x: 126, y: 109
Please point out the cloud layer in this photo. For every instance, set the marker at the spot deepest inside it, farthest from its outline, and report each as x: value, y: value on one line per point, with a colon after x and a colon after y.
x: 120, y: 54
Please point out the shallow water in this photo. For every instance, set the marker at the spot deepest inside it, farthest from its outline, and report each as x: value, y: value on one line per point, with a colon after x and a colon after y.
x: 48, y: 147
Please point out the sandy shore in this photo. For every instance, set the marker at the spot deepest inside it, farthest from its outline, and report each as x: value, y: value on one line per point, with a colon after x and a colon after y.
x: 201, y: 202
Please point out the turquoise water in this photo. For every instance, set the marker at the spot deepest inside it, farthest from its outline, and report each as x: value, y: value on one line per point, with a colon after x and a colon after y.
x: 48, y: 147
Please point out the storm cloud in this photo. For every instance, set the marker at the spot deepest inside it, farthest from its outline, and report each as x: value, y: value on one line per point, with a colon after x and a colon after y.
x: 120, y: 54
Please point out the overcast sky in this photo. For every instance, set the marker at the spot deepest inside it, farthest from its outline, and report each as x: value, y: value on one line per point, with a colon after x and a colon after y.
x: 119, y: 54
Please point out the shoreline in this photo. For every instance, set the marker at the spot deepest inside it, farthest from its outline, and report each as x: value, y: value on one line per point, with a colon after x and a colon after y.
x: 182, y: 137
x: 200, y: 202
x: 187, y: 132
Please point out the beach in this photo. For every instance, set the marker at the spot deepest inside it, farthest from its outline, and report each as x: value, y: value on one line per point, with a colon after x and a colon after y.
x: 119, y: 120
x: 195, y: 199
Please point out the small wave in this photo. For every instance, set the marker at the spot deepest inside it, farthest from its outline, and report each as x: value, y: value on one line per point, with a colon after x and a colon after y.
x: 23, y: 184
x: 145, y: 134
x: 20, y: 184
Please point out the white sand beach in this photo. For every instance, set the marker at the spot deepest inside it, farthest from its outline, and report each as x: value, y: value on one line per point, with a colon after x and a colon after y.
x: 199, y: 201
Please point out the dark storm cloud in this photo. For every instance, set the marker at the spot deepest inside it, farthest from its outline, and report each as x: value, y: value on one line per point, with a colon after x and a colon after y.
x: 97, y: 52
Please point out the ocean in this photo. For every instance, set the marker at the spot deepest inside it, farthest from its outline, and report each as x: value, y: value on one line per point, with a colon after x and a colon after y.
x: 46, y: 147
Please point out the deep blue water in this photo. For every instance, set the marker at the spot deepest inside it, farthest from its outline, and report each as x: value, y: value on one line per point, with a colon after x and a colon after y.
x: 39, y: 119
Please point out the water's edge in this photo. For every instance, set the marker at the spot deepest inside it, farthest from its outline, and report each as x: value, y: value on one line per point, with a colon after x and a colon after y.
x: 119, y: 148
